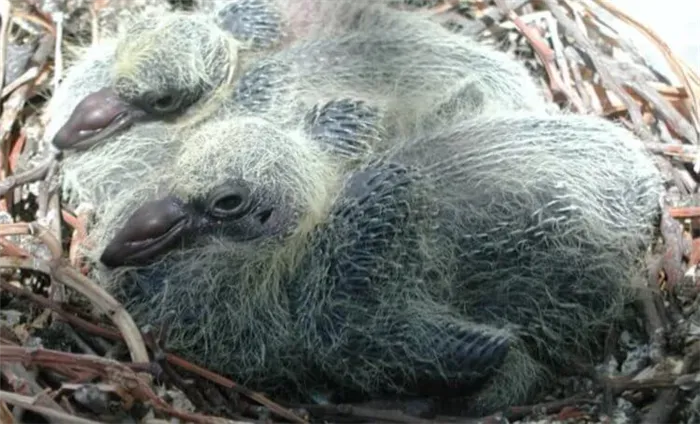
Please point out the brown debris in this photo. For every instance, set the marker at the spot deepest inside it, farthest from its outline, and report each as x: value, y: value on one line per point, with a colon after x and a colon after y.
x: 100, y: 369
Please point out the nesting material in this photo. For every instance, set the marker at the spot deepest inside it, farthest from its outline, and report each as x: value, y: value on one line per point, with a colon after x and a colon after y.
x: 53, y: 341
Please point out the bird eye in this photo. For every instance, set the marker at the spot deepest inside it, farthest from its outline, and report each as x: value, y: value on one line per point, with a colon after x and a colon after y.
x: 164, y: 104
x: 160, y: 103
x: 230, y: 202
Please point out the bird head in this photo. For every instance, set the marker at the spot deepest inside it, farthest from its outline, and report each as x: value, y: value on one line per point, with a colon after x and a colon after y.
x: 238, y: 187
x: 164, y: 67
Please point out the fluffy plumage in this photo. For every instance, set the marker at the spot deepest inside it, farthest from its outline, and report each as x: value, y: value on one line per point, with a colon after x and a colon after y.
x: 480, y: 257
x: 98, y: 174
x: 398, y: 62
x: 184, y: 68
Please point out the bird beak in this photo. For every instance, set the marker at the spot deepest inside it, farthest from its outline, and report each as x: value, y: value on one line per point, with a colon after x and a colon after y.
x: 150, y: 231
x: 96, y: 117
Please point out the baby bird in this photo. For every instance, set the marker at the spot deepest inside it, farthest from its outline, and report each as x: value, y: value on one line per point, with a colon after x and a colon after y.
x: 97, y: 176
x: 137, y: 159
x: 183, y: 68
x: 477, y: 259
x: 184, y: 58
x: 82, y: 109
x: 94, y: 110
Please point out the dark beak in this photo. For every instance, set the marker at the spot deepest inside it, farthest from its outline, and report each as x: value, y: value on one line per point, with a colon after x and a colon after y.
x: 152, y: 230
x: 95, y: 118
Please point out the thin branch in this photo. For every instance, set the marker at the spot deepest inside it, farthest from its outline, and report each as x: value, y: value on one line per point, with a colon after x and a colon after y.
x: 545, y: 54
x: 608, y: 80
x: 27, y: 402
x: 6, y: 16
x: 37, y: 173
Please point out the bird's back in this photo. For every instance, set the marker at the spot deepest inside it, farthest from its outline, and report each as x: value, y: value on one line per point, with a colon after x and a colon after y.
x: 548, y: 216
x: 399, y: 61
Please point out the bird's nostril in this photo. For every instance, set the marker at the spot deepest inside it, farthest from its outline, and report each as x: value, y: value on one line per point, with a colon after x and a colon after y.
x: 264, y: 216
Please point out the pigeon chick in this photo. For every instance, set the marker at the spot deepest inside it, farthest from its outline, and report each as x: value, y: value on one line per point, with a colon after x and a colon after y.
x: 183, y: 68
x: 478, y: 259
x: 165, y: 63
x: 80, y: 111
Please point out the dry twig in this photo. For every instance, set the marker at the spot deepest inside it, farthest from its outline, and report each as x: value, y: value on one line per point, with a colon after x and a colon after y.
x: 607, y: 78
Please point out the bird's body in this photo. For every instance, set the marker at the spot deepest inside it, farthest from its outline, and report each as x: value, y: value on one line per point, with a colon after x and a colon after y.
x: 397, y: 57
x: 418, y: 74
x: 479, y: 257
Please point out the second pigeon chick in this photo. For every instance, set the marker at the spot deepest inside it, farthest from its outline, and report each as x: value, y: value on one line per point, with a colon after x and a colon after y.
x: 184, y: 69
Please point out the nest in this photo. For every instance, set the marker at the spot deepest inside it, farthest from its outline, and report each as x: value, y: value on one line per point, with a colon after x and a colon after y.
x: 70, y: 353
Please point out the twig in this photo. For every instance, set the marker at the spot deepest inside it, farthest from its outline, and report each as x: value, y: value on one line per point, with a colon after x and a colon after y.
x: 95, y: 8
x: 682, y: 152
x: 444, y: 7
x: 656, y: 323
x: 683, y: 71
x: 663, y: 406
x: 35, y: 174
x: 346, y: 410
x: 272, y: 406
x: 519, y: 412
x: 79, y: 225
x: 74, y: 336
x: 635, y: 81
x: 560, y: 58
x: 72, y: 278
x: 27, y: 402
x: 6, y: 417
x: 15, y: 103
x: 607, y: 79
x: 58, y: 56
x: 29, y: 76
x: 673, y: 242
x: 65, y: 315
x: 172, y: 359
x: 661, y: 410
x: 36, y: 230
x: 571, y: 56
x: 109, y: 306
x: 23, y: 382
x: 545, y: 54
x: 38, y: 18
x: 11, y: 249
x: 6, y: 16
x: 493, y: 14
x: 128, y: 384
x: 49, y: 212
x: 28, y: 263
x: 685, y: 212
